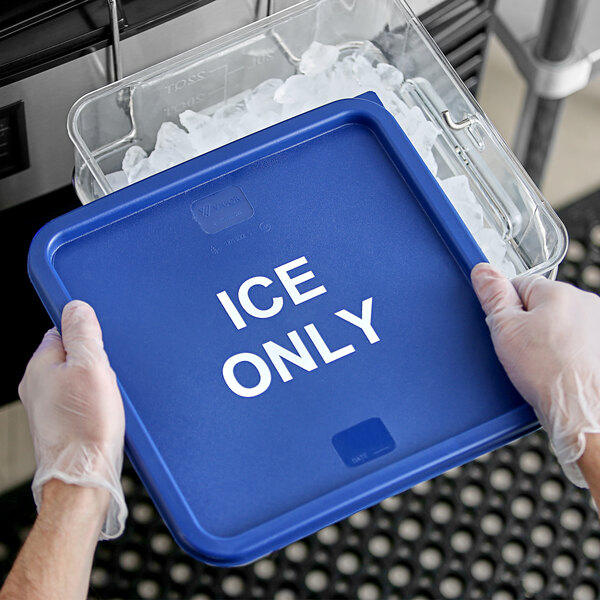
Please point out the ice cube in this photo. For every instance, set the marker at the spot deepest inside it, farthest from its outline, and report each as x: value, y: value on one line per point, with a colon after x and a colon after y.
x: 117, y: 180
x: 423, y: 138
x: 141, y: 170
x: 366, y: 74
x: 261, y: 99
x: 164, y: 158
x: 133, y: 156
x: 297, y: 89
x: 173, y: 141
x: 192, y: 120
x: 491, y: 244
x: 391, y: 78
x: 464, y: 201
x: 317, y: 58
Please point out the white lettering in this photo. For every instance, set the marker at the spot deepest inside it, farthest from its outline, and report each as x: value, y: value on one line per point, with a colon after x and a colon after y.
x: 277, y: 353
x: 235, y: 386
x: 290, y: 283
x: 326, y: 354
x: 232, y: 311
x: 364, y: 322
x: 247, y: 304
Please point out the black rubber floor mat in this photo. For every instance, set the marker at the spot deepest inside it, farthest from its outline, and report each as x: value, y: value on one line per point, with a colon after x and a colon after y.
x: 505, y: 526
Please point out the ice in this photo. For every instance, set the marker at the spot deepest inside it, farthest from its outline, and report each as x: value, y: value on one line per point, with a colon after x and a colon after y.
x: 459, y: 192
x: 117, y: 180
x: 193, y: 121
x: 133, y: 156
x: 324, y: 74
x: 318, y: 58
x: 491, y: 244
x: 174, y: 141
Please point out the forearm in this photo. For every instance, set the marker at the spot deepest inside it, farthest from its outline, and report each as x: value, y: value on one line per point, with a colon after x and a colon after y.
x: 56, y: 559
x: 589, y: 463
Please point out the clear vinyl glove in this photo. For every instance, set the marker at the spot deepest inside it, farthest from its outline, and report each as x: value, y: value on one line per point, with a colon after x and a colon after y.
x: 547, y: 336
x: 75, y: 412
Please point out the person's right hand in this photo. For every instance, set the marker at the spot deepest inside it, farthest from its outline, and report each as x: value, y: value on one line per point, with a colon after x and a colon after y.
x: 547, y: 336
x: 75, y: 412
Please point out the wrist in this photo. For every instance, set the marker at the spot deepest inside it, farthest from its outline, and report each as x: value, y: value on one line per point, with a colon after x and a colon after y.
x: 589, y: 462
x: 85, y: 506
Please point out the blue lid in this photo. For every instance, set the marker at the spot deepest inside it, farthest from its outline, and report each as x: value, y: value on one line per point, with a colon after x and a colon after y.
x: 291, y: 326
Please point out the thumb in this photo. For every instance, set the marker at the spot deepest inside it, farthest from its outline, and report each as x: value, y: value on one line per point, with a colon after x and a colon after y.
x: 494, y: 291
x: 81, y: 334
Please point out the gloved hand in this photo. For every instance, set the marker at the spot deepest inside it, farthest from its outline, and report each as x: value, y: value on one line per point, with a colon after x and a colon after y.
x: 547, y: 336
x: 75, y: 412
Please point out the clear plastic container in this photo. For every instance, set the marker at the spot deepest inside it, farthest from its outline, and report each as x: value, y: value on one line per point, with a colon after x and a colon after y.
x: 105, y: 123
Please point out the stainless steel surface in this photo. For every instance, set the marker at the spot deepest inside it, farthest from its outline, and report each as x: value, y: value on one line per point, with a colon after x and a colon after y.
x: 116, y: 39
x: 49, y: 95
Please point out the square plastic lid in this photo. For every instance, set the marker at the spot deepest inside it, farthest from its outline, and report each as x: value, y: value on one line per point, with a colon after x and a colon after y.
x: 291, y: 326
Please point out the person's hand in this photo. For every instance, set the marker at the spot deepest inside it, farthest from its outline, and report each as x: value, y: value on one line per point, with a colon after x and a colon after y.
x: 547, y: 336
x: 75, y: 412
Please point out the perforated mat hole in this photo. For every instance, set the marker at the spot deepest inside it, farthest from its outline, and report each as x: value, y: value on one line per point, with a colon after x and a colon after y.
x: 501, y: 479
x: 482, y: 569
x: 472, y: 495
x: 585, y: 591
x: 265, y: 568
x: 454, y: 473
x: 441, y: 512
x: 380, y: 545
x: 422, y: 489
x: 128, y: 485
x: 143, y: 512
x: 591, y: 276
x: 233, y: 585
x: 200, y: 597
x: 492, y: 523
x: 542, y: 536
x: 571, y: 519
x: 391, y: 504
x: 3, y: 551
x: 576, y: 251
x: 591, y: 547
x: 563, y: 565
x: 181, y: 573
x: 399, y: 575
x: 410, y: 529
x: 452, y: 587
x: 504, y: 594
x: 369, y: 590
x: 329, y: 535
x: 552, y: 490
x: 130, y: 560
x: 316, y: 580
x: 462, y: 540
x: 285, y: 594
x: 161, y: 543
x: 595, y: 235
x: 522, y: 507
x: 148, y: 589
x: 513, y: 552
x: 99, y: 577
x: 360, y: 520
x: 430, y: 558
x: 296, y: 552
x: 348, y: 563
x: 533, y: 582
